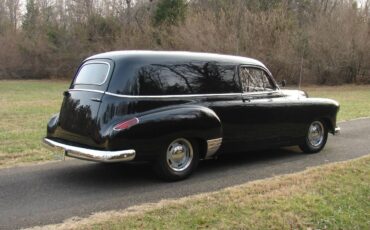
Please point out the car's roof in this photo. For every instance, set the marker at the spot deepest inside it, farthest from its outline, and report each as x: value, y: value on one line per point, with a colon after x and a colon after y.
x: 174, y: 55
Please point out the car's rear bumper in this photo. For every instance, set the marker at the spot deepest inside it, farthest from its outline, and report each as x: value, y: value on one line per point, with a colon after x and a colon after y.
x: 91, y: 154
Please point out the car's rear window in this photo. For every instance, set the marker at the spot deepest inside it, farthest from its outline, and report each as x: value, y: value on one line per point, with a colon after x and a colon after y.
x: 93, y: 73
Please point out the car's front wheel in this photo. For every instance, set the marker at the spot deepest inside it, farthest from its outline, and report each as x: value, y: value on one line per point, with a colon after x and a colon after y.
x: 178, y: 159
x: 316, y: 137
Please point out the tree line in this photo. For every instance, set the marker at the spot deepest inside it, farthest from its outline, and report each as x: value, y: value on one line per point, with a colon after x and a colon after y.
x: 318, y: 41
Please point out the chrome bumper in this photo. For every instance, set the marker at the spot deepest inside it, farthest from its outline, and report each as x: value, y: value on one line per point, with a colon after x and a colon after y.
x: 91, y: 154
x: 337, y: 130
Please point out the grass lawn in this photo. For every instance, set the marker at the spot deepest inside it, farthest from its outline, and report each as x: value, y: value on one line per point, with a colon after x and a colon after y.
x: 354, y: 100
x: 26, y: 107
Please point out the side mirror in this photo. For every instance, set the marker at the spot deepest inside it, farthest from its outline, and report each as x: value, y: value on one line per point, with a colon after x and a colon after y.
x: 283, y: 83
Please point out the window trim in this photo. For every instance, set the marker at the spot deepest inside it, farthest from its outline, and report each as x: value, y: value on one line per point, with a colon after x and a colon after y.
x: 90, y: 63
x: 268, y: 74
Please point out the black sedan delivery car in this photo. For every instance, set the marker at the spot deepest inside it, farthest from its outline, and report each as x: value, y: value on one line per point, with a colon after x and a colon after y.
x: 175, y: 108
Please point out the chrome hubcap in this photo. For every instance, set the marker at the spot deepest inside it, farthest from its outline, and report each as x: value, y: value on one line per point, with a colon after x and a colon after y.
x: 179, y: 154
x: 316, y: 134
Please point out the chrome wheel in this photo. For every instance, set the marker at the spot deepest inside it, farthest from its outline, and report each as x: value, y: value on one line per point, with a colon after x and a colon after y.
x: 179, y: 155
x: 316, y: 133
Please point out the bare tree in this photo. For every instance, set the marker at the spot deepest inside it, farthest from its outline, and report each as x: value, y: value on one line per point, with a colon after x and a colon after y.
x: 325, y: 41
x: 14, y: 12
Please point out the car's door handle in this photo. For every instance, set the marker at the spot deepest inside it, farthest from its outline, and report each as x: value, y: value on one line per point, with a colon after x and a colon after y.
x: 96, y: 99
x: 66, y: 94
x: 246, y: 99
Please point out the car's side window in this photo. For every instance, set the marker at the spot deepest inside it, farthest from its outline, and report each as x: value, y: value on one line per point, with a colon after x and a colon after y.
x: 163, y: 80
x: 255, y: 80
x: 188, y: 78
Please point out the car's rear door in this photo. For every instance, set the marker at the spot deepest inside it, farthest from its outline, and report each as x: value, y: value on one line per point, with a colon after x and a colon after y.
x: 78, y: 115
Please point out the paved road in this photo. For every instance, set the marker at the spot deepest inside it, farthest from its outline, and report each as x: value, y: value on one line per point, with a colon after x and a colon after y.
x: 50, y: 193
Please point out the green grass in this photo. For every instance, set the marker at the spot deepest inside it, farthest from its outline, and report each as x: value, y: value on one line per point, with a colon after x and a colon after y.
x: 26, y: 107
x: 334, y: 196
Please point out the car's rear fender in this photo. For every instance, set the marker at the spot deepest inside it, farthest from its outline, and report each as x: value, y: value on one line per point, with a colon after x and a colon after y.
x: 155, y: 128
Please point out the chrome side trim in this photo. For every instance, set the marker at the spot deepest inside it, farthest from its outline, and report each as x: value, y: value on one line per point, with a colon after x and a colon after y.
x: 260, y: 93
x: 337, y: 130
x: 91, y: 154
x: 212, y: 147
x: 87, y: 90
x: 172, y: 96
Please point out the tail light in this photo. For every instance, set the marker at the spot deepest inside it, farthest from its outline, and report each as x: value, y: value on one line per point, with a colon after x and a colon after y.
x: 126, y: 124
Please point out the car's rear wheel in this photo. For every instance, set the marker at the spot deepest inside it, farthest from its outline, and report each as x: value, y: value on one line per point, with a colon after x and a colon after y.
x: 178, y: 159
x: 316, y: 137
